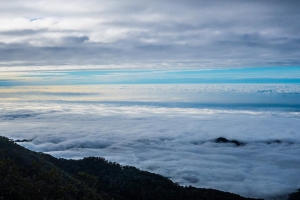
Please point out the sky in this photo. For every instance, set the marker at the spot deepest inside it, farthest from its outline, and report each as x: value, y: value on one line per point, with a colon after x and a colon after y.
x: 153, y: 84
x: 150, y: 34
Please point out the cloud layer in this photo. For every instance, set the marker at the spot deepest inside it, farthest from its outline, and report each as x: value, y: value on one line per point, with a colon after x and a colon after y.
x: 189, y: 33
x: 176, y: 142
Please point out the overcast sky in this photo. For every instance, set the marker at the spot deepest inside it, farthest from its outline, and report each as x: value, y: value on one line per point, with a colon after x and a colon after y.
x: 186, y: 33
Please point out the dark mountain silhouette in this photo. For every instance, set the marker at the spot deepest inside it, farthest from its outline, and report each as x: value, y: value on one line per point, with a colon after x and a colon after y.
x: 25, y: 174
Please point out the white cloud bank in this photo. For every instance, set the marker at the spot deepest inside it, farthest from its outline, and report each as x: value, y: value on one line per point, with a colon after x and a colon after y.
x: 175, y: 142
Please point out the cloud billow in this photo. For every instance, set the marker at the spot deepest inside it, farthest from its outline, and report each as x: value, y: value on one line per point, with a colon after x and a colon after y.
x: 250, y: 152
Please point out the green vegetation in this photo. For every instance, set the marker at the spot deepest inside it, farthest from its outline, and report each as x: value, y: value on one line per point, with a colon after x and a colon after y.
x: 29, y: 175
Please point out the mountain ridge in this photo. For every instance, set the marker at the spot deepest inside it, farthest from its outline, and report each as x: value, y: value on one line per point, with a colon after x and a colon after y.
x: 25, y: 174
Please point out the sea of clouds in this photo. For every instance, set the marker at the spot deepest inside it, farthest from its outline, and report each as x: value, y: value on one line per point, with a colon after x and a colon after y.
x: 177, y: 142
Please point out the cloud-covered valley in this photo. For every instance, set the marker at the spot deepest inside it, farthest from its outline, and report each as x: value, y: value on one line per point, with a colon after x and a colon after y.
x: 179, y: 143
x: 206, y: 93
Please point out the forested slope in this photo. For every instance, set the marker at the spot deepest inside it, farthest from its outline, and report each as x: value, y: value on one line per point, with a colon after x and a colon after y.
x: 25, y: 174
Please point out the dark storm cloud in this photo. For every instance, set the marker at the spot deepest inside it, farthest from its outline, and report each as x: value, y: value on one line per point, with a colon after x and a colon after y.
x: 211, y: 33
x: 13, y: 33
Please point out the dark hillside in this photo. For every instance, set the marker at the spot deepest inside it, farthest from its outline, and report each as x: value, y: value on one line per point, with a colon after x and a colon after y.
x: 125, y: 182
x: 295, y: 196
x: 29, y: 175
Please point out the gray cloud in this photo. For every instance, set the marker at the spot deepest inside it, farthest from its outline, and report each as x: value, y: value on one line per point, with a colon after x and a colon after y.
x: 215, y: 33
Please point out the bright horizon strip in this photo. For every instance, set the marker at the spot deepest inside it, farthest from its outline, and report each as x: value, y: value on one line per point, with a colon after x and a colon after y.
x: 267, y: 75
